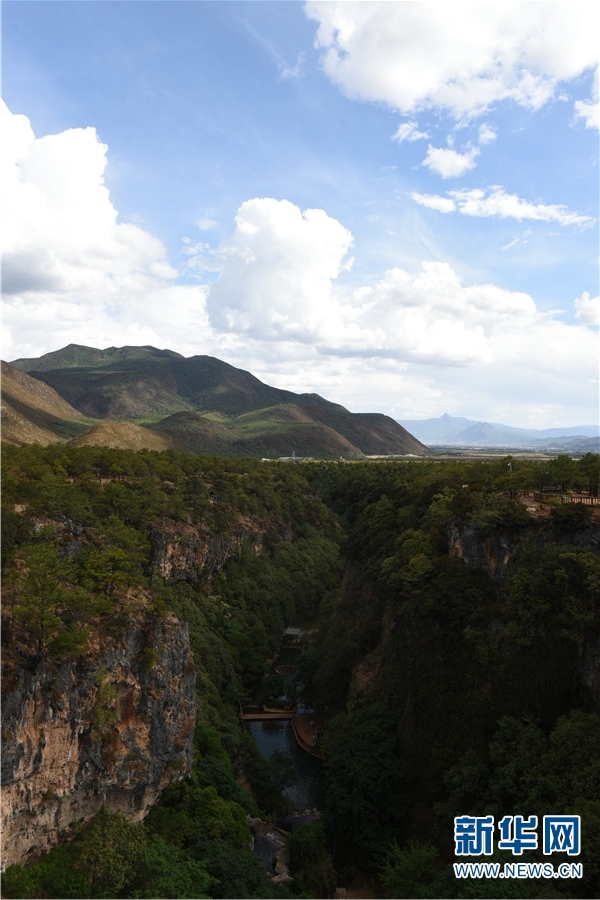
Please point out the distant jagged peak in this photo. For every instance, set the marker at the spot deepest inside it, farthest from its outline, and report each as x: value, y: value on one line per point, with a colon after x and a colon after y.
x: 457, y: 430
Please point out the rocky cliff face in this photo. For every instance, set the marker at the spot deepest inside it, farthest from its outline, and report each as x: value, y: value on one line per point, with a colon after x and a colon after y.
x: 492, y: 551
x: 181, y: 552
x: 113, y: 726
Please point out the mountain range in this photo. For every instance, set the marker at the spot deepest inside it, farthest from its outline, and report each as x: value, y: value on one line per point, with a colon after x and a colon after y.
x: 142, y: 397
x: 456, y: 431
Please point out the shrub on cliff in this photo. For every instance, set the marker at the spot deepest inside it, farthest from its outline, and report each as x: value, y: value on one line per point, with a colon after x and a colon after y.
x: 54, y: 876
x: 111, y: 850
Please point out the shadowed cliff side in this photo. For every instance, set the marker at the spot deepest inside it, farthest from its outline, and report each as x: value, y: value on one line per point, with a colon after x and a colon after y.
x: 114, y: 725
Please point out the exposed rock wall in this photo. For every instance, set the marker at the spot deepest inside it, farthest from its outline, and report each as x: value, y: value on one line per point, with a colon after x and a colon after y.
x: 492, y: 551
x: 181, y: 552
x: 496, y: 548
x: 115, y: 726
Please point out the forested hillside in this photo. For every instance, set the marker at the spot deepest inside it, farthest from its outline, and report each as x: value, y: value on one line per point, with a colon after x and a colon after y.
x: 454, y: 656
x: 467, y: 632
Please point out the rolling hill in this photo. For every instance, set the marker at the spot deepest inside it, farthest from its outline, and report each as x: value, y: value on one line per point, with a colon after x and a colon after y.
x: 202, y: 405
x: 33, y: 412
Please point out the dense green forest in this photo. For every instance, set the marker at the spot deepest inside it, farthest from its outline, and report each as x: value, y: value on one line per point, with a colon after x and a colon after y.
x: 453, y: 656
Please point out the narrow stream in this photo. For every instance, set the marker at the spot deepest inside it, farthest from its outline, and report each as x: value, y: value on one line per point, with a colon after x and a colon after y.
x: 304, y: 794
x: 270, y: 735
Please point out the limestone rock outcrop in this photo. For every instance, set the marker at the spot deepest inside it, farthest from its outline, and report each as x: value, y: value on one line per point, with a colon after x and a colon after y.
x: 182, y: 552
x: 492, y: 551
x: 113, y: 726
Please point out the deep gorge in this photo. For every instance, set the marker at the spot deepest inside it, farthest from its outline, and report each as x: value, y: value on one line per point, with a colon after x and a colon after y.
x: 456, y: 660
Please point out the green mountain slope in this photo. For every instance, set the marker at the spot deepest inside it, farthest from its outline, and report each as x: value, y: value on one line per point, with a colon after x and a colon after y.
x: 143, y: 382
x: 34, y: 413
x: 208, y: 406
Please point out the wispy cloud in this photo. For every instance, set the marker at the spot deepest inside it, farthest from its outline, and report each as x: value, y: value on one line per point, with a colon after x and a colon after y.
x: 519, y: 239
x: 434, y: 201
x: 409, y: 131
x: 268, y: 48
x: 295, y: 71
x: 205, y: 224
x: 487, y: 134
x: 587, y: 309
x: 589, y: 110
x: 476, y: 202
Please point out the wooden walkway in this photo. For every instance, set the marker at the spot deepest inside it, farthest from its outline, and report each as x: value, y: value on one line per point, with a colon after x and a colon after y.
x: 258, y: 716
x: 305, y: 726
x: 549, y: 497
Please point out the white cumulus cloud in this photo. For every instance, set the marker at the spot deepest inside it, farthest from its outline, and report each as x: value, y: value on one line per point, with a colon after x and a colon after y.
x: 431, y: 317
x: 460, y: 57
x: 277, y: 297
x: 449, y: 163
x: 277, y: 271
x: 60, y: 227
x: 71, y: 271
x: 280, y: 282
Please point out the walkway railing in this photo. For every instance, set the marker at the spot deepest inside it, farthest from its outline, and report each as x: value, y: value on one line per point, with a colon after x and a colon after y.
x: 583, y: 499
x: 254, y: 714
x: 304, y: 729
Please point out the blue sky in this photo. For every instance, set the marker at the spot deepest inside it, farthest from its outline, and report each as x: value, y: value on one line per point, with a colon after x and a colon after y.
x: 392, y: 204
